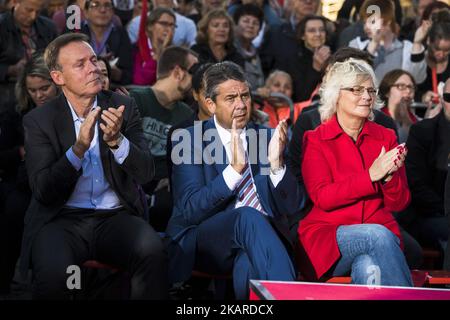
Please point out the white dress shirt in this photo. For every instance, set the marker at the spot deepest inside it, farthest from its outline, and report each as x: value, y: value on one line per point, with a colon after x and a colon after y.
x: 231, y: 176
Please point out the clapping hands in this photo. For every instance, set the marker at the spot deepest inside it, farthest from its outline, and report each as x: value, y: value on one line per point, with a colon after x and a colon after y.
x: 387, y: 163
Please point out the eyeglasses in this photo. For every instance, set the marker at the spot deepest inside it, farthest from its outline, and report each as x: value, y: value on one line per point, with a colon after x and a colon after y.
x: 403, y: 87
x: 167, y: 24
x: 446, y: 97
x: 314, y: 30
x: 97, y: 5
x: 359, y: 90
x: 192, y: 69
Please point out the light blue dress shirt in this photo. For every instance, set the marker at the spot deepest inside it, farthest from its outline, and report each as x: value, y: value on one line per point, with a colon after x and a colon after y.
x: 92, y: 190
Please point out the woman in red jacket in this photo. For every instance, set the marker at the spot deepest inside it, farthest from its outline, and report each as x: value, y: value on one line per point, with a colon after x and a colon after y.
x: 353, y: 171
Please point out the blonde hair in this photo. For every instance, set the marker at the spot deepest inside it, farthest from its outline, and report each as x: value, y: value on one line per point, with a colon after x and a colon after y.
x: 349, y: 73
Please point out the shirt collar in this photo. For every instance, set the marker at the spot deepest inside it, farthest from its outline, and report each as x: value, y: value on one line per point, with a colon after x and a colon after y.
x: 331, y: 129
x: 225, y: 134
x: 75, y: 117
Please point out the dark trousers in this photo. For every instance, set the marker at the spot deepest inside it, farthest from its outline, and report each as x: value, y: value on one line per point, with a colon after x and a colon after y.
x: 111, y: 237
x: 13, y: 205
x: 242, y: 241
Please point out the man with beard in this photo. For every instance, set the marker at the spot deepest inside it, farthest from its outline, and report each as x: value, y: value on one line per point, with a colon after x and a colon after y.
x: 426, y: 168
x: 438, y: 68
x: 161, y: 107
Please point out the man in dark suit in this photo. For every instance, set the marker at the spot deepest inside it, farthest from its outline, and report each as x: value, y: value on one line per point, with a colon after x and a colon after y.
x: 426, y: 168
x: 230, y: 216
x: 23, y: 31
x: 85, y: 157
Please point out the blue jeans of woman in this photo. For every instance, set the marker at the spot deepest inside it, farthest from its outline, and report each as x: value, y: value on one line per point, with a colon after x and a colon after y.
x: 372, y: 254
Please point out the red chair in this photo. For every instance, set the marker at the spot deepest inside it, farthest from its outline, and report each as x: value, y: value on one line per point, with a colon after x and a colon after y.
x: 124, y: 291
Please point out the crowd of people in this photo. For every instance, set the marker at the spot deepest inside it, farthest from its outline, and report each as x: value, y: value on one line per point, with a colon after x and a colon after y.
x: 255, y: 139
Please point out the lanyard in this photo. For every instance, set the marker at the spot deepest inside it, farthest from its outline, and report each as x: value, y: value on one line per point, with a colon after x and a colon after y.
x: 100, y: 47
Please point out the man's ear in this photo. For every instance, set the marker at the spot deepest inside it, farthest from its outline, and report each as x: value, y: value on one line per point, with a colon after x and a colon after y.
x: 177, y: 73
x: 211, y: 105
x: 57, y: 77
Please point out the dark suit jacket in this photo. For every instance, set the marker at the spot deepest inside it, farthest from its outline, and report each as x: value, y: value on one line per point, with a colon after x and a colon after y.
x: 119, y: 45
x: 447, y: 212
x: 11, y: 45
x: 200, y: 191
x: 49, y: 133
x: 426, y: 174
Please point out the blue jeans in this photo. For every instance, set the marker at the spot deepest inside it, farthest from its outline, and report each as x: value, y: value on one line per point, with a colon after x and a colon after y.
x: 372, y: 254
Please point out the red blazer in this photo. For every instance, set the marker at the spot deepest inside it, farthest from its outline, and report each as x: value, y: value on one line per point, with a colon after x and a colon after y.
x: 336, y: 175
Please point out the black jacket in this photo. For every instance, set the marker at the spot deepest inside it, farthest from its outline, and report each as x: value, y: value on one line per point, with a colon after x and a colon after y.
x: 49, y: 133
x: 11, y: 46
x: 281, y: 50
x: 205, y: 55
x: 426, y: 166
x: 119, y: 45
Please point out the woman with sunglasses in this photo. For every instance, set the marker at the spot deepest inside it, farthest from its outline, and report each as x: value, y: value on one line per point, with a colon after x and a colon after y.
x: 426, y: 167
x: 353, y: 172
x: 397, y: 91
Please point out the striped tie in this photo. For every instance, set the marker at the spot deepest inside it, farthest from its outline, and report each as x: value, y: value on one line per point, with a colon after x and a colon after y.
x: 247, y: 196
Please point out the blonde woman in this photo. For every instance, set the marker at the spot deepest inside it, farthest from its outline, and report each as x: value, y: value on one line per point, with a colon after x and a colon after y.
x: 353, y: 171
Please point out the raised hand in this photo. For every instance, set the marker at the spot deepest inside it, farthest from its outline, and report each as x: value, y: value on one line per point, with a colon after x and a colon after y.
x: 422, y: 31
x: 387, y: 163
x: 237, y: 150
x: 320, y: 56
x: 113, y: 119
x: 87, y: 131
x: 277, y: 145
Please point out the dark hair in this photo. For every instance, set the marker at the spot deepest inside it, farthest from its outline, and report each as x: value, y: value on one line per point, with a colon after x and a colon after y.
x: 157, y: 13
x: 301, y: 28
x: 88, y: 3
x: 440, y: 28
x: 249, y: 10
x: 108, y: 67
x: 389, y: 80
x: 170, y: 58
x: 197, y: 77
x: 202, y: 27
x: 51, y: 53
x: 219, y: 73
x: 345, y: 53
x: 437, y: 5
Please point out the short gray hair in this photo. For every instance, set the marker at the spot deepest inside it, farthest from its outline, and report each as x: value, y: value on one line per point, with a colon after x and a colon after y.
x: 51, y: 53
x: 219, y: 73
x: 349, y: 73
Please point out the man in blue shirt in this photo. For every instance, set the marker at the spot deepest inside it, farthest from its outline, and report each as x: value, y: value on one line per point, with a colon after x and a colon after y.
x: 86, y: 160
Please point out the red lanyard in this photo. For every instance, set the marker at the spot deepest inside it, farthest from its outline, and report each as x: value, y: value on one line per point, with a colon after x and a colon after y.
x: 434, y: 80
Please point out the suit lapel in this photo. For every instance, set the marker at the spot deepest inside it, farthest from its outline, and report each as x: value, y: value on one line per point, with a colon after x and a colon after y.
x: 219, y: 164
x: 103, y: 102
x: 64, y: 124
